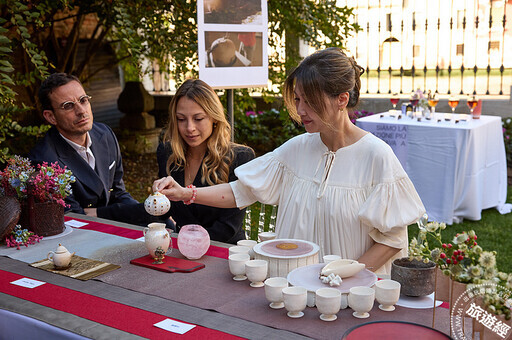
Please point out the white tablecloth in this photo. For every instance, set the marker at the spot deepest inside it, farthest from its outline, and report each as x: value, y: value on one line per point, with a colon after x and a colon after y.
x: 458, y: 169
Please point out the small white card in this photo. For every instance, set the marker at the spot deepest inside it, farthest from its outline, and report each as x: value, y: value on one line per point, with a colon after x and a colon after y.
x: 28, y: 283
x: 75, y: 223
x: 174, y: 326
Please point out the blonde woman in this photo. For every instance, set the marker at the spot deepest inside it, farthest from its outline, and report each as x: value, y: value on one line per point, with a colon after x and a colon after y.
x: 197, y: 152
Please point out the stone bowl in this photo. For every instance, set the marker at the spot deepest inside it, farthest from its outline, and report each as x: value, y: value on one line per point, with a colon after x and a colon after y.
x: 417, y: 278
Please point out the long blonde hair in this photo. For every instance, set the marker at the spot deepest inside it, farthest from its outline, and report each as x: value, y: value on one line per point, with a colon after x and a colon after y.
x: 219, y: 151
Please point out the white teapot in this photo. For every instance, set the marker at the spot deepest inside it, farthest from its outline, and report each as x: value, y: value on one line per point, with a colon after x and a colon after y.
x: 61, y: 257
x: 157, y: 204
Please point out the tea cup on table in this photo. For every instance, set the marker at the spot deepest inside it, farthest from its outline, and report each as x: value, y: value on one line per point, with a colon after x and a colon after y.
x: 256, y: 271
x: 274, y: 291
x: 239, y: 250
x: 329, y: 258
x: 248, y: 243
x: 237, y: 265
x: 266, y: 236
x: 295, y: 300
x: 361, y: 300
x: 328, y: 303
x: 387, y: 293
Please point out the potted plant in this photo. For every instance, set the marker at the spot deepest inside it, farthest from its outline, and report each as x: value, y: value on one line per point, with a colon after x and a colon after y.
x: 416, y: 273
x: 40, y: 190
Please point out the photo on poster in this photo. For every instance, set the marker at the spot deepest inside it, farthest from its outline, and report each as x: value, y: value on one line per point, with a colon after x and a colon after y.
x: 233, y: 49
x: 232, y: 39
x: 232, y: 12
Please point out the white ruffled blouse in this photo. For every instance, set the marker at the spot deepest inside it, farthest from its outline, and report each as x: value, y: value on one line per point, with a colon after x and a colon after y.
x: 344, y: 201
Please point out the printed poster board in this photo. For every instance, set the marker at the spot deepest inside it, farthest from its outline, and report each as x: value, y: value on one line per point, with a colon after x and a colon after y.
x: 232, y: 43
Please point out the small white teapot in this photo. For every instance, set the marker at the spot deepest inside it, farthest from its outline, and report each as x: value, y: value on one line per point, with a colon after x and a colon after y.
x: 157, y: 204
x: 61, y: 257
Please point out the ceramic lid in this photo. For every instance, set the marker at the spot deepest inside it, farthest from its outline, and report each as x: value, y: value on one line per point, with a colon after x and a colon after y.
x: 61, y: 249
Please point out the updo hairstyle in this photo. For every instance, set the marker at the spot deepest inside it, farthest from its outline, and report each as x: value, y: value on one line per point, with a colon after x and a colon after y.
x: 327, y: 72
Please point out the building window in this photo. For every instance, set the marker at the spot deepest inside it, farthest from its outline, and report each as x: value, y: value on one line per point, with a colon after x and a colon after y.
x: 494, y: 45
x: 416, y: 51
x: 460, y: 49
x: 388, y: 22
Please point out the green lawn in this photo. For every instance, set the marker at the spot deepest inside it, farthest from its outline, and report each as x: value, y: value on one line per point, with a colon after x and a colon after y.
x: 494, y: 232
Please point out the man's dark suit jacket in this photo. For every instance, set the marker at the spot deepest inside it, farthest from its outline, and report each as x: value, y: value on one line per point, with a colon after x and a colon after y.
x: 102, y: 188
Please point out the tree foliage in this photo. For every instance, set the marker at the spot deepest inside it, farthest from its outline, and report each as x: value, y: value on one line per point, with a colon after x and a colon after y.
x: 44, y: 36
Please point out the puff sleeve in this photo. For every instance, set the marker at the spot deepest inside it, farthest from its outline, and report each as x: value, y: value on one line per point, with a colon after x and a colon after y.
x: 258, y: 180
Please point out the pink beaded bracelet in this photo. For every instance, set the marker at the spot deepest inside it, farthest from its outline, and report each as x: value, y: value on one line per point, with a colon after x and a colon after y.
x: 194, y: 194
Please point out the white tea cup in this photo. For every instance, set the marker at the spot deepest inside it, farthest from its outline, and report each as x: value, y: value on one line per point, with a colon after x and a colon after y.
x: 266, y: 236
x: 328, y: 303
x: 361, y: 300
x: 256, y: 271
x: 295, y: 299
x: 329, y: 258
x: 387, y: 293
x: 248, y: 243
x: 239, y: 250
x: 237, y: 265
x: 274, y: 291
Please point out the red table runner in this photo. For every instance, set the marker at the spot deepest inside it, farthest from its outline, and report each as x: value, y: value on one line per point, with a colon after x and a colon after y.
x: 135, y: 321
x: 215, y: 251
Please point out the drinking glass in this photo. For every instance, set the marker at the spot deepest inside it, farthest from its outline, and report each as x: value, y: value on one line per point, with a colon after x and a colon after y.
x: 414, y: 101
x: 394, y: 100
x: 453, y: 101
x: 433, y: 99
x: 472, y: 103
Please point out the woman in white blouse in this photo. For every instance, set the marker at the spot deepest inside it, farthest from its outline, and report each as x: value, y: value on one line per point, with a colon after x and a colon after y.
x: 336, y: 185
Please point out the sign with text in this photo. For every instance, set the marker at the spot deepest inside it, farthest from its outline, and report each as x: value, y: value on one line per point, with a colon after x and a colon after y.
x: 395, y: 136
x: 232, y: 43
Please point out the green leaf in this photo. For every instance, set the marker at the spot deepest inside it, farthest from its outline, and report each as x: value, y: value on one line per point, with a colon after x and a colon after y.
x: 4, y: 40
x: 6, y: 69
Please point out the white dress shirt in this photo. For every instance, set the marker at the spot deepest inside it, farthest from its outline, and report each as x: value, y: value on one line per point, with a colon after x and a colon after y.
x: 84, y: 152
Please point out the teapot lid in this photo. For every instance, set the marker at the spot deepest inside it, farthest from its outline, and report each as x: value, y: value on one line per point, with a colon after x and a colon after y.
x: 61, y: 249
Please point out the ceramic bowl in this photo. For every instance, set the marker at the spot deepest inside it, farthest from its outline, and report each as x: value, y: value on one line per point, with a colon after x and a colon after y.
x: 295, y: 299
x: 237, y: 266
x: 328, y: 303
x: 361, y: 300
x: 248, y: 243
x: 387, y: 293
x: 266, y: 236
x: 274, y: 291
x: 239, y: 250
x: 256, y: 271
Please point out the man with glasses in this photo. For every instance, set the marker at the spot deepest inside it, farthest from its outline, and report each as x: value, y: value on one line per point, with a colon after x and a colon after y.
x: 90, y: 150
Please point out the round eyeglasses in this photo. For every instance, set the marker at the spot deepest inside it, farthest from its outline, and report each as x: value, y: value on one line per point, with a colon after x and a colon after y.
x: 70, y: 105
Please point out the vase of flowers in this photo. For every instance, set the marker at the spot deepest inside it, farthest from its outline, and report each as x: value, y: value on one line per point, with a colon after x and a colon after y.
x: 41, y: 191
